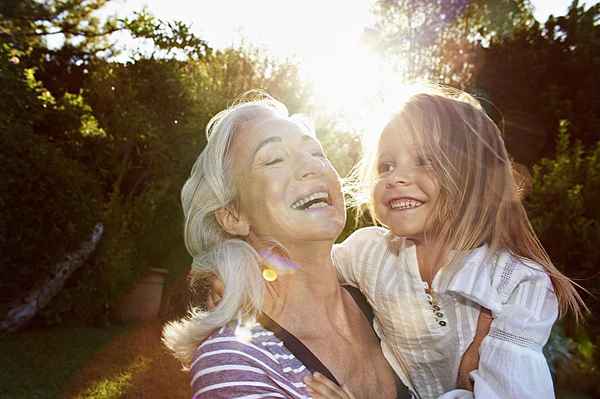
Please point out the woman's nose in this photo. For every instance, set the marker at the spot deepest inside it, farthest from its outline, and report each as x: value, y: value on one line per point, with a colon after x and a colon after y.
x: 310, y: 166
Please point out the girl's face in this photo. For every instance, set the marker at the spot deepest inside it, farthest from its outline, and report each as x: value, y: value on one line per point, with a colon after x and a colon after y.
x: 405, y: 191
x: 288, y: 189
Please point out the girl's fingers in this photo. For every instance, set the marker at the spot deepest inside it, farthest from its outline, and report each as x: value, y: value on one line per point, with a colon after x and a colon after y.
x: 321, y: 387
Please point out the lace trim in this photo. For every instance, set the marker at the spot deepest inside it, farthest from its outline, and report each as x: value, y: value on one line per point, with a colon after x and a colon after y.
x: 507, y: 272
x: 524, y: 342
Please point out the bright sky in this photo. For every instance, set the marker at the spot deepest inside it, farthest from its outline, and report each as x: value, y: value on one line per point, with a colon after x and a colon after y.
x: 285, y: 27
x: 323, y: 36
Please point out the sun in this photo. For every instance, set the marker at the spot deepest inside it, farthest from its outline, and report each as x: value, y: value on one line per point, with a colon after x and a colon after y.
x: 355, y: 85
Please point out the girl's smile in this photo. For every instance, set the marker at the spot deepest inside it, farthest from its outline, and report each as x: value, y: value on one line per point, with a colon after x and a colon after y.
x: 405, y: 191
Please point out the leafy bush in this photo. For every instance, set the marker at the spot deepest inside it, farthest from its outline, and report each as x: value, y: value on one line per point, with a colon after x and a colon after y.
x: 50, y: 203
x: 563, y: 207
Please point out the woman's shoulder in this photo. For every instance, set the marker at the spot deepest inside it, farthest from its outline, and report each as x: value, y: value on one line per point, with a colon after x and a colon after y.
x: 237, y: 341
x: 243, y: 359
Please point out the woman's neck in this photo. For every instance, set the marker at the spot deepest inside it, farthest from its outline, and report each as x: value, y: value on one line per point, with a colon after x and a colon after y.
x: 310, y: 288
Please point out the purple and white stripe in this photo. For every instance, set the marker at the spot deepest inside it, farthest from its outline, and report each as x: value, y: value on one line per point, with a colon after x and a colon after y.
x: 253, y: 365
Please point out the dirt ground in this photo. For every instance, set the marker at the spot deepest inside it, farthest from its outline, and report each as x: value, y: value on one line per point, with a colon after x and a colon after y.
x: 134, y: 365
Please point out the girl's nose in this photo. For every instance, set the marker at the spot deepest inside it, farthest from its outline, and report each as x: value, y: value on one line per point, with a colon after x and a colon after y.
x: 399, y: 177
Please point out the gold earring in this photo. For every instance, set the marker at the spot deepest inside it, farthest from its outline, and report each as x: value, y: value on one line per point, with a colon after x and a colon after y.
x: 269, y: 274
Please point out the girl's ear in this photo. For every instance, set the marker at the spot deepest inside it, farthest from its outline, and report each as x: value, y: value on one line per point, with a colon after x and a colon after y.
x: 232, y: 222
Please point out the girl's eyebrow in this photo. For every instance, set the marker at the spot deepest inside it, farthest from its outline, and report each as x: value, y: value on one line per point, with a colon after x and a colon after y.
x: 268, y: 140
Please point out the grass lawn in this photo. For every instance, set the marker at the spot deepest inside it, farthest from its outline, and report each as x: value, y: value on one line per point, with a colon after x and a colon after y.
x: 88, y: 363
x: 37, y: 364
x: 91, y: 363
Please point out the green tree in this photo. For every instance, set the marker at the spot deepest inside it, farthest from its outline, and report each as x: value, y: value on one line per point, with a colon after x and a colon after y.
x: 51, y: 202
x: 433, y: 39
x: 563, y: 209
x: 542, y: 75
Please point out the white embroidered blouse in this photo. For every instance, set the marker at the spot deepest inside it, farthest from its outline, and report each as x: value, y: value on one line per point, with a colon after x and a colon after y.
x: 424, y: 337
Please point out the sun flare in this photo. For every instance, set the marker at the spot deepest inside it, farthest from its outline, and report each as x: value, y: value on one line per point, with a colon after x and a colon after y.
x: 355, y: 85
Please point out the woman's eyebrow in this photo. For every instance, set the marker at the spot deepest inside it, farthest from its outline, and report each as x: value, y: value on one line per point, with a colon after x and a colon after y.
x: 268, y: 140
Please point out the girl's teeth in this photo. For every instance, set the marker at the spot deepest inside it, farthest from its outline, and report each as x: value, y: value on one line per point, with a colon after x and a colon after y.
x: 405, y: 204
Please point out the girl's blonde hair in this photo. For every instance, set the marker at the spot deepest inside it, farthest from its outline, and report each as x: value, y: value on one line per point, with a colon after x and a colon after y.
x: 212, y: 186
x: 481, y: 193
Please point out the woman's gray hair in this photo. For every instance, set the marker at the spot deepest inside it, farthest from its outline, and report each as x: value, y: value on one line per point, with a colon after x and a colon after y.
x: 210, y: 187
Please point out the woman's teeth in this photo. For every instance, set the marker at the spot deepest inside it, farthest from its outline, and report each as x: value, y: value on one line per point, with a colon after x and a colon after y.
x: 315, y: 200
x: 317, y: 205
x: 405, y: 204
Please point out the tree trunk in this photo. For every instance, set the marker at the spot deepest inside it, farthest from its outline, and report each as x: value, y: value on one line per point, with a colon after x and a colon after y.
x: 22, y: 312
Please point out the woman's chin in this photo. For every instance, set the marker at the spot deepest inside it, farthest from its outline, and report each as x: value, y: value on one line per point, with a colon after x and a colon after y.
x: 324, y: 230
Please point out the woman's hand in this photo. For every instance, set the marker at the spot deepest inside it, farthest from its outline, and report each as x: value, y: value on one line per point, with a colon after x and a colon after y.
x: 470, y: 359
x: 320, y: 387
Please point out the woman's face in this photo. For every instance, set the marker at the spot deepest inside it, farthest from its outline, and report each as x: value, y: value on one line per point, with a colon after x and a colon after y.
x: 288, y: 189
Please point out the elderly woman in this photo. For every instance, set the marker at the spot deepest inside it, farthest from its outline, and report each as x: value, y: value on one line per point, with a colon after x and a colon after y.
x: 263, y: 207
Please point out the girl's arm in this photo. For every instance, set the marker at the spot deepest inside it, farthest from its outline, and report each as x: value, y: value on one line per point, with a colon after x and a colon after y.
x: 470, y: 359
x: 524, y: 307
x: 349, y: 255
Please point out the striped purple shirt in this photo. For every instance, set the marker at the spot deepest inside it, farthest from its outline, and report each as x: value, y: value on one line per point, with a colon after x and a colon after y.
x: 248, y: 362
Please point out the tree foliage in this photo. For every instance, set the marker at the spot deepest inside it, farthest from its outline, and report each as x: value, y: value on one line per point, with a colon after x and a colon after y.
x: 541, y: 75
x: 432, y: 39
x: 535, y: 74
x: 563, y: 209
x: 49, y: 200
x: 87, y: 139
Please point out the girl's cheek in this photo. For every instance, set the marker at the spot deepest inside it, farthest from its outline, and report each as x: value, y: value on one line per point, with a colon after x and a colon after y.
x: 379, y: 209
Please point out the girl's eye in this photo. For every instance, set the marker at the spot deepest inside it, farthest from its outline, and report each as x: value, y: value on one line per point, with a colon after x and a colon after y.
x: 318, y: 154
x: 274, y: 161
x: 422, y: 161
x: 385, y: 167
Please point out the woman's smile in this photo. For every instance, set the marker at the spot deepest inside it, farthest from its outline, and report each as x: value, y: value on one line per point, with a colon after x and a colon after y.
x: 290, y: 191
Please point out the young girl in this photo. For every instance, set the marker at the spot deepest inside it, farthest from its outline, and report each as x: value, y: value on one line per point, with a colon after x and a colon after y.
x: 457, y: 239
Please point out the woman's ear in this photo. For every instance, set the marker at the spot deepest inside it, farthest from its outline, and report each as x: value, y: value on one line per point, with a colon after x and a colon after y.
x: 232, y: 222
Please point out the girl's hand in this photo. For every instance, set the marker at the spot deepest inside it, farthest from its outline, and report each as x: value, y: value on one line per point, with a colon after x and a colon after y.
x: 320, y: 387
